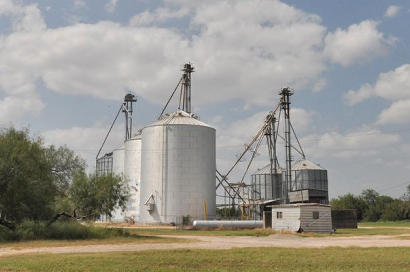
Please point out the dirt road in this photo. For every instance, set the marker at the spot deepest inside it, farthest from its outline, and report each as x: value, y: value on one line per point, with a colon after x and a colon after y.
x: 225, y: 242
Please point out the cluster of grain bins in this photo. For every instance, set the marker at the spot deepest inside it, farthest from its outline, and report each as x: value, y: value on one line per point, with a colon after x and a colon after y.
x: 126, y: 162
x: 170, y: 169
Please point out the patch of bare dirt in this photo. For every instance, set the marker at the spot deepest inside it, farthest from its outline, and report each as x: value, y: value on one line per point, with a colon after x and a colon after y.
x: 225, y: 242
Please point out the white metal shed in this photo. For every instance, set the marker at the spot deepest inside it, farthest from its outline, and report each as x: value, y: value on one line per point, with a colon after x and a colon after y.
x: 308, y: 217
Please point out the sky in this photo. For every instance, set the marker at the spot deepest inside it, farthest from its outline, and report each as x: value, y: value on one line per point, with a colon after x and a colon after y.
x: 66, y: 65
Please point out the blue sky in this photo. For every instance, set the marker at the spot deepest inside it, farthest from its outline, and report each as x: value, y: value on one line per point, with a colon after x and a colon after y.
x: 65, y: 66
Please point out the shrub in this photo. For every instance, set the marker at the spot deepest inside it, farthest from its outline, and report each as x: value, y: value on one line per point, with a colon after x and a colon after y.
x: 30, y: 230
x: 6, y: 234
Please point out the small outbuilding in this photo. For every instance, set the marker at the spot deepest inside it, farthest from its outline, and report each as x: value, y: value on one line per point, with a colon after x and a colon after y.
x: 302, y: 217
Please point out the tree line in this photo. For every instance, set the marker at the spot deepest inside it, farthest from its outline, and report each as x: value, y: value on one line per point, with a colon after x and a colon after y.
x: 44, y: 183
x: 371, y: 206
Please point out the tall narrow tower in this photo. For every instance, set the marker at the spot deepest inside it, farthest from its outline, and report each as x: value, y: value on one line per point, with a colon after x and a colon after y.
x: 129, y: 99
x: 185, y: 94
x: 285, y: 104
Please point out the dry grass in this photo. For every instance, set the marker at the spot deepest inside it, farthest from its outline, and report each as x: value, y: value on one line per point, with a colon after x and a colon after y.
x: 108, y: 241
x: 249, y: 259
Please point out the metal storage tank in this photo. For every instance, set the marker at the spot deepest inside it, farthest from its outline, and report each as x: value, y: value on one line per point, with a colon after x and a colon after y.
x: 118, y: 169
x: 177, y: 170
x: 118, y: 161
x: 308, y: 175
x: 262, y: 186
x: 309, y: 183
x: 104, y: 164
x: 132, y: 174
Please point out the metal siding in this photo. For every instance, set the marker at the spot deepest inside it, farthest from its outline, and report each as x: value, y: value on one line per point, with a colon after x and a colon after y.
x: 118, y: 169
x: 290, y: 220
x: 323, y: 224
x: 178, y: 169
x: 132, y: 174
x: 118, y: 161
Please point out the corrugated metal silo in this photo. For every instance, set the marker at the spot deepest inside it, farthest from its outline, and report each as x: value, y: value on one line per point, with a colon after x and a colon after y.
x: 118, y: 161
x: 177, y: 169
x: 309, y: 183
x: 308, y: 175
x: 262, y: 186
x: 132, y: 174
x: 118, y: 169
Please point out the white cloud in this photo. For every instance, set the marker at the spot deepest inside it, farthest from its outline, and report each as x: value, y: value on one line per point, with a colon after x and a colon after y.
x: 392, y: 11
x: 79, y: 3
x: 240, y: 132
x: 24, y: 18
x: 359, y: 42
x: 111, y: 5
x: 106, y: 58
x: 159, y: 15
x: 14, y: 107
x: 85, y: 141
x: 397, y: 113
x: 364, y: 142
x: 240, y: 49
x: 319, y: 85
x: 392, y: 85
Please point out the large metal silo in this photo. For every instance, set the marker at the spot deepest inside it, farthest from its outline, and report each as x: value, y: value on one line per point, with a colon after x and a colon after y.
x: 177, y: 170
x: 132, y: 174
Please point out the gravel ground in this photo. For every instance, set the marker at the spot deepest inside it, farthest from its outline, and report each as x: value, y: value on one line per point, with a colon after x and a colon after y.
x: 225, y: 242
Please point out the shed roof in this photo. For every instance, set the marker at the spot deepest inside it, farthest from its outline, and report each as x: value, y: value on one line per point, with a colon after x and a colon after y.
x: 299, y: 205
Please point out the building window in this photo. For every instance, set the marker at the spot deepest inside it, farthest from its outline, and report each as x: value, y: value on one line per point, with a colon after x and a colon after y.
x: 279, y: 215
x: 315, y: 215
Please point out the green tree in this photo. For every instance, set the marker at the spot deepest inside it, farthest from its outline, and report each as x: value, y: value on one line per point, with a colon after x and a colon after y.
x: 396, y: 210
x: 349, y: 201
x: 375, y: 209
x: 93, y: 196
x: 27, y: 188
x: 65, y: 163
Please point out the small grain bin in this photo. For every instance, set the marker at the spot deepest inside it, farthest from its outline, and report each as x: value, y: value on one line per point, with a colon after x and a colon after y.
x: 266, y: 185
x: 177, y: 170
x: 309, y: 183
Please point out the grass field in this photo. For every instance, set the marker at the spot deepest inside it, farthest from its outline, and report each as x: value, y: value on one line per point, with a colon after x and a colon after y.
x: 379, y: 230
x: 250, y: 259
x: 405, y: 223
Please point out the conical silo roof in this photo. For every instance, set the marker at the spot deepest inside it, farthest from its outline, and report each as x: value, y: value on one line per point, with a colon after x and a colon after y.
x: 306, y: 165
x: 178, y: 117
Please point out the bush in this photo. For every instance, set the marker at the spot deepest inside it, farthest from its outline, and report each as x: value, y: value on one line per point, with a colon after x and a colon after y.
x: 6, y: 234
x: 396, y: 210
x: 30, y: 230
